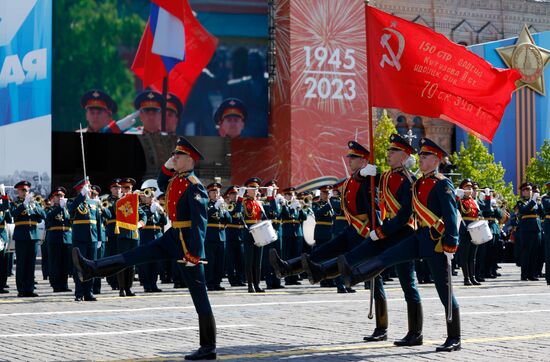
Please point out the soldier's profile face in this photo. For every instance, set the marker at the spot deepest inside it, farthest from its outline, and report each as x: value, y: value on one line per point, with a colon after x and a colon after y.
x: 171, y: 121
x: 428, y: 162
x: 97, y: 118
x: 527, y: 192
x: 151, y: 119
x: 183, y: 162
x: 115, y: 191
x: 324, y: 195
x: 213, y: 194
x: 355, y: 163
x: 396, y: 158
x: 22, y: 193
x: 231, y: 126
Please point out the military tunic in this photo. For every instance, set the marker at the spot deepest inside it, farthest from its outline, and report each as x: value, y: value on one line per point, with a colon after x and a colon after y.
x: 530, y: 229
x: 545, y: 203
x: 59, y: 241
x: 214, y: 245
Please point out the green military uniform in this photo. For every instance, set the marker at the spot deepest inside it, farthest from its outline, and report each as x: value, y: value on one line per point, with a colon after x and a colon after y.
x: 4, y: 218
x: 530, y: 229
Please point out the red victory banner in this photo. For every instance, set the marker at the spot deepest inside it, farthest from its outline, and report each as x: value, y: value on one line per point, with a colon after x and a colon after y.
x: 127, y: 213
x: 419, y: 71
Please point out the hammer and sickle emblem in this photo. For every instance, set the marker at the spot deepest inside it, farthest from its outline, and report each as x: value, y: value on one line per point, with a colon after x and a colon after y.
x: 391, y: 58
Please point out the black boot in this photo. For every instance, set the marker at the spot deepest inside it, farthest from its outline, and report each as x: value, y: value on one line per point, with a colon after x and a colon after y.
x: 317, y: 272
x: 256, y: 280
x: 381, y: 331
x: 207, y: 332
x: 88, y: 269
x: 414, y: 335
x: 452, y: 343
x: 249, y: 280
x: 360, y: 273
x: 284, y: 268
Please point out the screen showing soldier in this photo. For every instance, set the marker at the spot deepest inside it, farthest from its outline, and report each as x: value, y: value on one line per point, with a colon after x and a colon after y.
x: 230, y: 118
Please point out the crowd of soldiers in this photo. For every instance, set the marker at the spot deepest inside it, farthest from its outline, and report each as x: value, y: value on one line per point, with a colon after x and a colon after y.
x: 413, y: 222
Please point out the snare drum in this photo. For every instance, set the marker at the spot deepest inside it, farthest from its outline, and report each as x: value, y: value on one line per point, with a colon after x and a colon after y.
x: 263, y: 233
x: 480, y: 232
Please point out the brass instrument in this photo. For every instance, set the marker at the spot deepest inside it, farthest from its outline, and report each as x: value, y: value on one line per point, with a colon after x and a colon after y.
x: 230, y: 207
x: 306, y: 202
x: 146, y: 193
x: 105, y: 204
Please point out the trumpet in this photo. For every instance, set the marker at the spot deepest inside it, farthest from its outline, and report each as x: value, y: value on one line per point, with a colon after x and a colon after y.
x: 306, y: 202
x: 105, y: 204
x: 230, y: 207
x: 146, y: 193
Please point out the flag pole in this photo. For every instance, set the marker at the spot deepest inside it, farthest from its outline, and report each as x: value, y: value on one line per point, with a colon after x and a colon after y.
x: 163, y: 106
x: 371, y: 146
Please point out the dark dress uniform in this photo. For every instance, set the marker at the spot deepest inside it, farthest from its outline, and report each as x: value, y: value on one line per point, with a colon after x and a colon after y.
x: 545, y: 203
x: 4, y: 218
x: 25, y: 234
x: 492, y: 214
x: 234, y: 234
x: 253, y: 213
x: 434, y: 206
x: 152, y: 230
x: 86, y: 225
x: 530, y: 229
x: 109, y: 218
x: 339, y: 222
x: 293, y: 235
x: 214, y: 243
x: 59, y: 241
x: 467, y: 250
x: 186, y: 201
x: 324, y: 221
x: 272, y: 210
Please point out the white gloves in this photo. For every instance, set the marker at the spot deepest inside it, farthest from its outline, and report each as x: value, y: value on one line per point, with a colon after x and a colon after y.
x: 99, y: 244
x: 449, y: 256
x: 85, y: 190
x: 155, y: 206
x: 410, y: 162
x: 2, y: 190
x: 62, y: 202
x: 317, y: 193
x: 127, y: 122
x: 459, y: 193
x: 493, y: 203
x: 368, y: 170
x: 241, y: 191
x: 373, y: 235
x: 535, y: 196
x: 170, y: 163
x: 280, y: 199
x: 487, y: 191
x: 295, y: 204
x: 219, y: 203
x: 28, y: 199
x: 269, y: 191
x: 140, y: 224
x: 329, y: 194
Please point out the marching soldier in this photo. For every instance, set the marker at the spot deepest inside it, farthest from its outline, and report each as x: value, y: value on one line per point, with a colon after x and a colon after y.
x: 292, y: 217
x: 272, y: 208
x: 184, y: 241
x: 59, y: 241
x: 493, y: 214
x: 95, y: 191
x: 153, y: 229
x: 356, y: 203
x: 86, y: 221
x: 530, y: 230
x: 436, y: 239
x: 324, y: 215
x: 234, y: 234
x: 26, y: 214
x: 545, y: 203
x: 252, y: 210
x: 4, y: 217
x: 214, y: 243
x: 470, y: 212
x: 109, y: 217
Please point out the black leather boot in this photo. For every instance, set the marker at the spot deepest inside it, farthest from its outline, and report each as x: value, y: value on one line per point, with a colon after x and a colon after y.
x: 88, y: 269
x: 360, y: 273
x: 452, y: 343
x: 285, y: 268
x: 207, y: 333
x: 414, y: 335
x: 256, y: 280
x: 317, y: 272
x: 381, y: 331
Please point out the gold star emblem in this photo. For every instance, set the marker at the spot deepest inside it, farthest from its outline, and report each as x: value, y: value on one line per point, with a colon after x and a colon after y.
x: 126, y: 209
x: 150, y: 95
x: 95, y: 94
x: 529, y: 59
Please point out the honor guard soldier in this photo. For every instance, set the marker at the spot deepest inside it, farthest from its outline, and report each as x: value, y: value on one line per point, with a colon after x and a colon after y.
x: 470, y: 212
x: 59, y: 240
x: 230, y: 118
x: 435, y: 240
x: 545, y: 203
x: 149, y: 104
x: 234, y: 234
x: 272, y: 207
x: 356, y: 203
x: 253, y: 213
x: 95, y: 191
x: 100, y: 107
x: 153, y: 229
x: 530, y: 230
x: 324, y: 215
x: 26, y: 214
x: 292, y: 217
x: 86, y: 221
x: 186, y: 201
x: 4, y: 240
x: 174, y: 109
x: 214, y: 243
x: 493, y: 214
x: 127, y: 239
x: 109, y: 216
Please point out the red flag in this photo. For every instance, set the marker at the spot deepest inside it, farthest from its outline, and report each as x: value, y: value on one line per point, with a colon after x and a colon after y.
x: 173, y: 21
x: 127, y: 213
x: 421, y: 72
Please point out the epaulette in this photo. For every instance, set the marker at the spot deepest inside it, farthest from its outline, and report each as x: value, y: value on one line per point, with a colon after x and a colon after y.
x: 193, y: 179
x: 439, y: 176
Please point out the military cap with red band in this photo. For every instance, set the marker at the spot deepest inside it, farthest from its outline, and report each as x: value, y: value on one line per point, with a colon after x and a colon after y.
x: 98, y: 99
x: 427, y: 146
x: 398, y: 143
x: 183, y: 146
x: 356, y: 150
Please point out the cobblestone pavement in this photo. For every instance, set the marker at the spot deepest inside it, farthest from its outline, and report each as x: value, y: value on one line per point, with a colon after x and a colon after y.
x: 502, y: 320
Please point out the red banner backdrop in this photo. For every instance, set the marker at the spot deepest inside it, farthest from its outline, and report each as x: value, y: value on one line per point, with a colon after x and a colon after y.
x: 319, y: 98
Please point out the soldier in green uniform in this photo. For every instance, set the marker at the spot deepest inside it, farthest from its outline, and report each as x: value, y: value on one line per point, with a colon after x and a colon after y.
x: 272, y: 208
x: 492, y: 213
x: 234, y: 234
x: 59, y: 240
x: 26, y: 214
x: 530, y: 229
x: 214, y: 243
x: 109, y: 218
x: 86, y: 220
x: 4, y: 218
x: 95, y: 191
x: 292, y: 217
x: 324, y: 221
x: 545, y: 203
